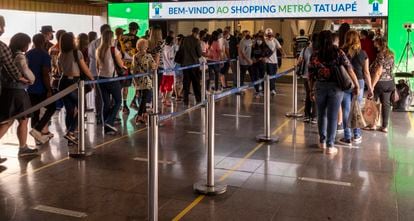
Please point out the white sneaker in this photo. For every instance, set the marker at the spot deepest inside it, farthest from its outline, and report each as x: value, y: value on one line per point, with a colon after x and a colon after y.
x: 39, y: 137
x: 273, y: 92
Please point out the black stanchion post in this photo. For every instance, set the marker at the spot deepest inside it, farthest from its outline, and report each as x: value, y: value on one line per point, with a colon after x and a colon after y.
x: 210, y: 187
x: 267, y: 137
x: 294, y: 113
x: 80, y: 150
x: 153, y: 166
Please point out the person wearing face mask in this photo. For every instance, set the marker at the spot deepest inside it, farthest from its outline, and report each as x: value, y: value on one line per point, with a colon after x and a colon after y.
x: 47, y: 31
x: 245, y: 55
x: 260, y: 51
x: 271, y: 60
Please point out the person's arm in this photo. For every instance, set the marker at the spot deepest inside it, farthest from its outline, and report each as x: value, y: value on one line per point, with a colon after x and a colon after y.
x: 85, y: 69
x: 348, y: 66
x: 24, y: 68
x: 377, y: 74
x: 199, y: 52
x: 118, y: 58
x: 377, y: 69
x: 279, y: 46
x: 83, y: 66
x: 367, y: 76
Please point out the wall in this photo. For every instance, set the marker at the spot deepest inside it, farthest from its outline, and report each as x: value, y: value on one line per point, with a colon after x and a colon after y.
x: 30, y: 22
x: 45, y: 6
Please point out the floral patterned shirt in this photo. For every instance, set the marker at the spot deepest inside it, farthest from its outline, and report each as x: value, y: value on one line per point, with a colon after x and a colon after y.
x: 321, y: 71
x: 387, y: 64
x: 142, y: 64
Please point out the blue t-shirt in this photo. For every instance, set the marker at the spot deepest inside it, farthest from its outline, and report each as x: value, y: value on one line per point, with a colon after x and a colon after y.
x: 37, y: 60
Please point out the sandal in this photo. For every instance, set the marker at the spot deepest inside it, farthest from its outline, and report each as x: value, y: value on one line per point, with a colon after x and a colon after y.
x: 383, y: 129
x: 371, y: 128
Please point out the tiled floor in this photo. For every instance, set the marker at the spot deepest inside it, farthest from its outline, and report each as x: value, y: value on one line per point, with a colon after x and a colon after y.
x: 274, y: 182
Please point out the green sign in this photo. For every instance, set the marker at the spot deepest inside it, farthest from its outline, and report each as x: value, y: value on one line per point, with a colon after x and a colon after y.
x: 121, y: 14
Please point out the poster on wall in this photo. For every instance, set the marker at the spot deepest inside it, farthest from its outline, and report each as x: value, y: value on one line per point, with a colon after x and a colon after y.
x: 268, y: 9
x: 121, y: 14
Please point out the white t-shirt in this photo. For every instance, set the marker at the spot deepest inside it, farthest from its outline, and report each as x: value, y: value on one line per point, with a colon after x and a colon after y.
x: 246, y: 50
x: 273, y: 44
x: 168, y: 54
x: 107, y: 68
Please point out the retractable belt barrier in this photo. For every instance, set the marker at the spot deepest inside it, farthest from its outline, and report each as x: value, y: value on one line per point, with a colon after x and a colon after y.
x: 209, y: 186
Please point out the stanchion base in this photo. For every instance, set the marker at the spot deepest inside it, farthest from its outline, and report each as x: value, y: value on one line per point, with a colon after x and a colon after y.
x: 264, y: 138
x: 294, y: 115
x: 80, y: 154
x: 202, y: 188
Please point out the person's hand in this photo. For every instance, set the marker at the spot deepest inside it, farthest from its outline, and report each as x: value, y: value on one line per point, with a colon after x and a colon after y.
x: 250, y: 61
x: 312, y: 96
x: 24, y: 80
x: 370, y: 93
x: 49, y: 93
x: 355, y: 91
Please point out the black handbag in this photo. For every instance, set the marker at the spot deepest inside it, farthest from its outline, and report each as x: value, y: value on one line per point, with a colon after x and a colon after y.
x: 341, y: 76
x: 82, y: 76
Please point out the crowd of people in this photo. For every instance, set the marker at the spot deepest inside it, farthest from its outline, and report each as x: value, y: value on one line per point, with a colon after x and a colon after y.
x: 30, y: 76
x: 369, y: 63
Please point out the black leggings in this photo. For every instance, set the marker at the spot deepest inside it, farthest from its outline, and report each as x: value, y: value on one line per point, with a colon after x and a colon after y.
x: 383, y: 91
x: 143, y: 101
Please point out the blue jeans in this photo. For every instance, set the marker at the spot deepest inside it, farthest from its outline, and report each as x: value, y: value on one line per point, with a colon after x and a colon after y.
x: 328, y: 100
x: 271, y: 69
x: 110, y: 91
x: 346, y: 108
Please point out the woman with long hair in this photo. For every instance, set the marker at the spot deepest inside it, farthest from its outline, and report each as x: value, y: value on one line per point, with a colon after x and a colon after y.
x: 107, y: 58
x: 327, y: 93
x: 214, y: 54
x: 155, y: 48
x: 143, y: 62
x: 71, y: 64
x: 14, y: 98
x: 382, y: 80
x: 360, y: 63
x: 82, y: 42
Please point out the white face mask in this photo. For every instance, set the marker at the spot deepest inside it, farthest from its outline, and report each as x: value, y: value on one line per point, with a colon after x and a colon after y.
x: 259, y: 42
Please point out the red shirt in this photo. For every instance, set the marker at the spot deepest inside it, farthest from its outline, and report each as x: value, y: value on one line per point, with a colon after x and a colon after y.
x: 368, y: 46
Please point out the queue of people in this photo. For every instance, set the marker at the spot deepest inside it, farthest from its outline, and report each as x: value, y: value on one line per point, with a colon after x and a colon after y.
x: 29, y: 77
x: 326, y: 104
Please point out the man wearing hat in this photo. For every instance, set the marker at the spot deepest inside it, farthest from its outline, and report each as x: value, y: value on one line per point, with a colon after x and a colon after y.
x: 128, y: 44
x: 47, y: 31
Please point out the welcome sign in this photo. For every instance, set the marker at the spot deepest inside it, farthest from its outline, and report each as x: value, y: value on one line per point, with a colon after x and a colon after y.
x: 269, y: 9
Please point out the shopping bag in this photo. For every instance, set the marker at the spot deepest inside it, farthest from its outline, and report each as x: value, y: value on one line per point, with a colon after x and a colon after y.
x: 356, y: 119
x: 371, y: 112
